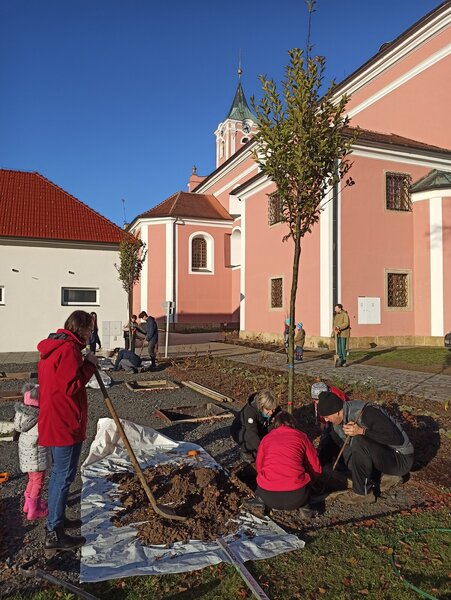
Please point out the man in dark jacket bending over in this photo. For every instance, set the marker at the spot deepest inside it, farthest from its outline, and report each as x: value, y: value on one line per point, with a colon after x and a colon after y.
x: 378, y: 445
x: 253, y: 422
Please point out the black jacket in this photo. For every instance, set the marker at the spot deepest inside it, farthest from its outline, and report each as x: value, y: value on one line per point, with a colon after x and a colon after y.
x: 249, y: 427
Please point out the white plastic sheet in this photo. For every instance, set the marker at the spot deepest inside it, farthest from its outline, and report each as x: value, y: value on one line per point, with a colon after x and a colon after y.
x: 111, y: 552
x: 94, y: 384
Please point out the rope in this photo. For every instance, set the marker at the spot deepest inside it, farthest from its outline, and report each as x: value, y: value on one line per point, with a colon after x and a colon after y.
x: 397, y: 571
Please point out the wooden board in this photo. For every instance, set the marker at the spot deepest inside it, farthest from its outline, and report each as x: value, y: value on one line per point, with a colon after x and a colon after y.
x: 207, y: 391
x: 151, y: 385
x: 23, y: 375
x: 7, y: 396
x: 193, y: 414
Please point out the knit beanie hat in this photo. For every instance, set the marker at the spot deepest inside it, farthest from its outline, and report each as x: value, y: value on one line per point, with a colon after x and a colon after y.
x: 317, y: 388
x: 299, y: 325
x: 28, y: 400
x: 329, y: 404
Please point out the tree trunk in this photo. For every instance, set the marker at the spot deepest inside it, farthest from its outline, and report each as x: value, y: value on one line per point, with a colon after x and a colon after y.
x: 294, y: 288
x: 131, y: 332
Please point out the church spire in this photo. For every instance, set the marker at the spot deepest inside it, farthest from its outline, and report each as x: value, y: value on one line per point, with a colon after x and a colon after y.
x: 240, y: 111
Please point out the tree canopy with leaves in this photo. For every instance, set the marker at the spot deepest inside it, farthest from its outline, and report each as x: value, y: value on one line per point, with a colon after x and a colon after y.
x: 303, y: 146
x: 132, y: 254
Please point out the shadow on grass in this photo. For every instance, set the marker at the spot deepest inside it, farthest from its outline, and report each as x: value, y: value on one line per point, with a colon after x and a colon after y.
x: 372, y: 354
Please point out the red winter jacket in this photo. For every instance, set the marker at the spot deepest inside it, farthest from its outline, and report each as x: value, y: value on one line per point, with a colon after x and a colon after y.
x: 63, y: 374
x: 286, y: 460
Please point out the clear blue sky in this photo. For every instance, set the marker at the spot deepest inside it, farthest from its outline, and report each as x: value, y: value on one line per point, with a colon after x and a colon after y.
x: 115, y: 99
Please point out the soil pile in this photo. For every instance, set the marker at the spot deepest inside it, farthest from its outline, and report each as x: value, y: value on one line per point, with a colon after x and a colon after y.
x: 209, y: 498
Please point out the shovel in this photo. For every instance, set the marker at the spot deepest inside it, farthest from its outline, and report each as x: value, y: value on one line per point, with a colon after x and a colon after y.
x: 161, y: 510
x: 336, y: 357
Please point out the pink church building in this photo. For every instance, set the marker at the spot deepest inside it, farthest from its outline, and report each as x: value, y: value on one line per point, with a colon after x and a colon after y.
x: 382, y: 248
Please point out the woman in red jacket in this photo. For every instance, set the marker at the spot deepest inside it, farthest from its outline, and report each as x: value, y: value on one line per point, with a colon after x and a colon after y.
x: 63, y: 374
x: 286, y: 463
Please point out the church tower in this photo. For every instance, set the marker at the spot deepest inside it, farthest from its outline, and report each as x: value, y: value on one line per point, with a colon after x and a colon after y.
x: 237, y: 128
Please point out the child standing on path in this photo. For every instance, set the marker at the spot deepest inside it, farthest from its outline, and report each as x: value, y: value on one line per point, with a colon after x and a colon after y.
x: 33, y: 459
x: 299, y: 341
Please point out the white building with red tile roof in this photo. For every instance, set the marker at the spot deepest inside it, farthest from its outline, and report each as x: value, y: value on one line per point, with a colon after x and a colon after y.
x: 56, y: 255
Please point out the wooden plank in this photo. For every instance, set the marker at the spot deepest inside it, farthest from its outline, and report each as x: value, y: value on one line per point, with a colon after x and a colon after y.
x: 151, y: 385
x: 187, y: 411
x: 8, y: 396
x: 207, y: 391
x: 4, y: 376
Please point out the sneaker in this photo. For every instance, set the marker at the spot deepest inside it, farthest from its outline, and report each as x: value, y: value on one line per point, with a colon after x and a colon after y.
x: 352, y: 498
x: 389, y: 481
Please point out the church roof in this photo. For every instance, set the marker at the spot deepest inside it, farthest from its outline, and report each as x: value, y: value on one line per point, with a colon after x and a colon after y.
x: 188, y: 205
x: 31, y: 206
x: 434, y: 180
x: 239, y: 111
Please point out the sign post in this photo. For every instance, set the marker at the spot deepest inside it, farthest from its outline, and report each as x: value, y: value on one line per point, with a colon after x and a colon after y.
x: 169, y: 306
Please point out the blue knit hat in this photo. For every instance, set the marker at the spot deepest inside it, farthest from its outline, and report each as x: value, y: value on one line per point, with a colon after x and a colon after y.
x: 300, y: 325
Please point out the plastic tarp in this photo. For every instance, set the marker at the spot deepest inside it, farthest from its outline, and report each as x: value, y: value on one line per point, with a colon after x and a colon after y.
x: 112, y: 552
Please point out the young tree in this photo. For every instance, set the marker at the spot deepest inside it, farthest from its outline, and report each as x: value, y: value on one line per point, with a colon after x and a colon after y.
x: 303, y: 146
x: 132, y: 254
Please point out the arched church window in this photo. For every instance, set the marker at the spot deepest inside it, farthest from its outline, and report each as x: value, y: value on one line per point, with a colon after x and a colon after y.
x: 221, y: 149
x: 235, y: 248
x: 199, y: 254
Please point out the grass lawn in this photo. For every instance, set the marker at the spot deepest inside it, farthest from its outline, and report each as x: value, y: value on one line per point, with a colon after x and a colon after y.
x: 429, y: 360
x: 342, y: 562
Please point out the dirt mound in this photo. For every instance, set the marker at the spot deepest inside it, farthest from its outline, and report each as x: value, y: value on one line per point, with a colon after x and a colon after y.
x: 209, y: 498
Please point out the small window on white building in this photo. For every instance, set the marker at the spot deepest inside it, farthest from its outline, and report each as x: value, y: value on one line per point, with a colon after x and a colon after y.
x: 2, y: 294
x: 79, y: 296
x: 201, y: 253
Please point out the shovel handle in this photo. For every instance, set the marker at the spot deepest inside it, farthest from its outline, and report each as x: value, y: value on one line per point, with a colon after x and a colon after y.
x: 346, y: 442
x: 131, y: 453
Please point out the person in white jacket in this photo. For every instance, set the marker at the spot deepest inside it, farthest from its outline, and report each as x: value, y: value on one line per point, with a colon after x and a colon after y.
x: 33, y: 459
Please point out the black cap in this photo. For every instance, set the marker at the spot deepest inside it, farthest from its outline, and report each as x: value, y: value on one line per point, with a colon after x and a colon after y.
x: 329, y: 404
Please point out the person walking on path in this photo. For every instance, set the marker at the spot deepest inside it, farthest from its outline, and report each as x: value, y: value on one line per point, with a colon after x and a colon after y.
x: 286, y: 334
x: 253, y: 422
x: 33, y: 458
x: 63, y: 374
x: 379, y: 452
x: 286, y: 464
x: 299, y: 341
x: 151, y: 335
x: 341, y: 332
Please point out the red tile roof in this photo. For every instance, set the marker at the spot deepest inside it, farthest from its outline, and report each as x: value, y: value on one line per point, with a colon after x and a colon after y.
x: 31, y: 206
x: 188, y: 205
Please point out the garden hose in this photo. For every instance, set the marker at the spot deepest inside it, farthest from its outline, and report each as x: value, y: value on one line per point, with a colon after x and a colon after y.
x: 397, y: 571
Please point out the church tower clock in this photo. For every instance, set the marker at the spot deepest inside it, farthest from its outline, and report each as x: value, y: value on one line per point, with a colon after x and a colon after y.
x: 237, y: 128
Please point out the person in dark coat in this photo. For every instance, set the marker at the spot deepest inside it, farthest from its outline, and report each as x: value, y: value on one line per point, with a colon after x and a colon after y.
x: 253, y: 422
x: 63, y: 374
x: 378, y: 446
x: 94, y: 339
x: 128, y: 361
x: 151, y: 335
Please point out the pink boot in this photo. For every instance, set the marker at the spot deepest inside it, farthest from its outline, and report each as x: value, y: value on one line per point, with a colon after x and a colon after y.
x: 43, y: 505
x: 34, y: 509
x: 26, y: 504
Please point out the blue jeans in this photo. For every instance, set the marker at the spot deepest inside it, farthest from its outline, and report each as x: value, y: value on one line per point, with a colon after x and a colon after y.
x: 64, y: 468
